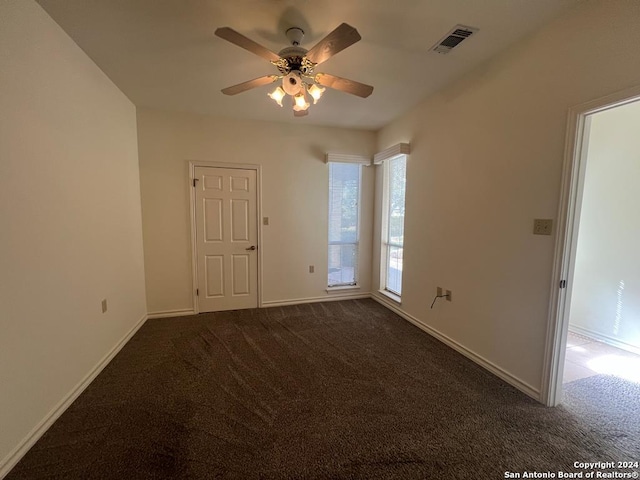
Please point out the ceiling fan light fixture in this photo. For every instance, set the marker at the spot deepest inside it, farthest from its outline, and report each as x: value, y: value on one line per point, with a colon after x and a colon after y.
x: 316, y: 92
x: 300, y: 102
x: 292, y: 83
x: 277, y: 95
x: 297, y: 66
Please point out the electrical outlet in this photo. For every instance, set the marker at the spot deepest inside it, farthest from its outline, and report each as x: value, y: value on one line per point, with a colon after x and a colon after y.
x: 265, y: 220
x: 439, y: 291
x: 542, y: 226
x: 104, y: 305
x: 312, y: 269
x: 448, y: 293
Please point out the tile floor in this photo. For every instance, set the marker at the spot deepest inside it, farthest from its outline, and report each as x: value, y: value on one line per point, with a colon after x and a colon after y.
x: 586, y: 357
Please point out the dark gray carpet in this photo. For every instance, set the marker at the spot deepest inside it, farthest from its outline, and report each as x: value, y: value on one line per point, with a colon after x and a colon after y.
x: 609, y: 407
x: 320, y: 391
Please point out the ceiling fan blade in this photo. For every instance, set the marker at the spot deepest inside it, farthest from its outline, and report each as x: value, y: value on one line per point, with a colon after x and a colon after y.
x: 344, y: 85
x: 342, y: 37
x: 301, y: 113
x: 243, y: 87
x: 230, y: 35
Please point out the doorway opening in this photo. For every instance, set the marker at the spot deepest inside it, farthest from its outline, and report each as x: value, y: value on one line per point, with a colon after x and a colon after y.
x: 593, y: 362
x: 613, y: 222
x: 604, y: 300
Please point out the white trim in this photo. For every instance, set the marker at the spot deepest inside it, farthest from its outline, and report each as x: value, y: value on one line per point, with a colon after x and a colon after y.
x: 260, y: 226
x: 601, y: 337
x: 384, y: 228
x: 483, y: 362
x: 194, y: 236
x: 392, y: 152
x: 566, y: 240
x: 192, y: 164
x: 171, y: 313
x: 342, y: 288
x: 346, y: 158
x: 298, y: 301
x: 34, y: 435
x: 391, y: 296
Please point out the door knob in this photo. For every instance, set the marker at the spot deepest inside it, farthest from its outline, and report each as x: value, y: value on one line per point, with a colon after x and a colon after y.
x: 252, y: 247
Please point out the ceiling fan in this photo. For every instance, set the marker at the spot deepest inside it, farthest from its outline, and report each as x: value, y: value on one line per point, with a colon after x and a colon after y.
x: 296, y: 66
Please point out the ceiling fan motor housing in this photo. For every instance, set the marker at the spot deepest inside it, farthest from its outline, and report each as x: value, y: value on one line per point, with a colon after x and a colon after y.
x: 294, y: 58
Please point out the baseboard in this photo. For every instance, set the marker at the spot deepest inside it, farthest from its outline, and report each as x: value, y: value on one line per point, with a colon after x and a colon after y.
x: 327, y: 298
x: 483, y: 362
x: 10, y: 461
x: 171, y: 313
x: 600, y: 337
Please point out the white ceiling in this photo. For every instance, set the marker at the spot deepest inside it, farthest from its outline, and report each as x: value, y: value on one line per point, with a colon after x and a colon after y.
x: 163, y: 54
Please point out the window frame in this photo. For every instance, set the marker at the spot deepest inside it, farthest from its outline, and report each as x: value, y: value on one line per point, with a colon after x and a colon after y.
x: 355, y: 284
x: 385, y: 242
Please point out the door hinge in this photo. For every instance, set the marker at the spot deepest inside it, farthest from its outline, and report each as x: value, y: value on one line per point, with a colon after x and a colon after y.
x: 563, y: 284
x: 197, y: 292
x: 195, y: 180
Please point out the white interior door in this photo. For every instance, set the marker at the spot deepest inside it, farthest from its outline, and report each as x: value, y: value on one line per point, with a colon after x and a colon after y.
x: 226, y: 238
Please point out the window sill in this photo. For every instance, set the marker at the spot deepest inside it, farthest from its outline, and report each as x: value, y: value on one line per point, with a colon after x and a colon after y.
x: 343, y: 288
x: 391, y: 296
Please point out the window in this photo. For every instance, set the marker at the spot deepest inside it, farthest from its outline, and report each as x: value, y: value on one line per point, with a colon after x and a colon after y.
x: 344, y: 212
x: 393, y: 224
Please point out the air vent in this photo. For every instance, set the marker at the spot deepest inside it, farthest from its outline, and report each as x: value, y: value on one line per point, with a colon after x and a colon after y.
x: 453, y: 38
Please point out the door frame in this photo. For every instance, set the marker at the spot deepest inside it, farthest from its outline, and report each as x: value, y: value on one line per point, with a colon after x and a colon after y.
x: 192, y: 164
x: 573, y: 172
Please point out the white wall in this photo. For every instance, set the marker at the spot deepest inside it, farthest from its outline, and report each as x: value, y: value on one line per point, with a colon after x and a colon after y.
x: 486, y: 160
x: 70, y: 219
x: 294, y: 197
x: 605, y: 298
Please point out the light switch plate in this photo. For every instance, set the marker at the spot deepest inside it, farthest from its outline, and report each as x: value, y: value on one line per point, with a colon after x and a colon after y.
x: 542, y: 226
x: 104, y: 305
x: 265, y: 220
